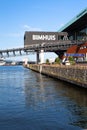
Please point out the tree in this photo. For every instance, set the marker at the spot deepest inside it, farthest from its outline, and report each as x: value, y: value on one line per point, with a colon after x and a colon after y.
x: 47, y: 61
x: 57, y: 60
x: 71, y: 60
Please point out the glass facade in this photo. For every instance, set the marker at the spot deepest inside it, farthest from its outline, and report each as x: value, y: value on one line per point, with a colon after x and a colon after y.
x: 79, y: 35
x: 82, y: 35
x: 77, y: 27
x: 77, y: 30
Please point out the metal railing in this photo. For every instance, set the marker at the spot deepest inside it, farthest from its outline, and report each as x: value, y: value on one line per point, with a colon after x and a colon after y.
x: 61, y: 45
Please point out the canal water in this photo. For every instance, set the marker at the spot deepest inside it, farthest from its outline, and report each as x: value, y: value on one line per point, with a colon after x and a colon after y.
x: 31, y: 101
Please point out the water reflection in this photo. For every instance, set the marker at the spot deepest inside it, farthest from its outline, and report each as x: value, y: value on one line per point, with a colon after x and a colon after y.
x: 39, y: 84
x: 62, y: 99
x: 31, y: 101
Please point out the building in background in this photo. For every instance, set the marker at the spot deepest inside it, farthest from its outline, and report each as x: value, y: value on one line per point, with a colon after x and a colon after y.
x: 77, y: 30
x: 77, y: 27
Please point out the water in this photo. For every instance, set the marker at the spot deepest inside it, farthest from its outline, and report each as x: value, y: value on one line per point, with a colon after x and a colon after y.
x: 31, y: 101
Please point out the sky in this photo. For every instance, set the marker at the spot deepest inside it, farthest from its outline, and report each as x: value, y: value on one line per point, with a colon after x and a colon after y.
x: 18, y: 16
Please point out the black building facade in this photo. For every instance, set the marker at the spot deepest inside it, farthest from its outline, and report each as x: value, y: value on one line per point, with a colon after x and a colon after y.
x: 35, y: 37
x: 77, y: 27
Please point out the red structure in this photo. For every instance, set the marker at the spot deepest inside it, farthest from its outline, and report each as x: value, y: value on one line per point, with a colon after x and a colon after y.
x: 77, y: 30
x: 81, y: 49
x: 77, y: 51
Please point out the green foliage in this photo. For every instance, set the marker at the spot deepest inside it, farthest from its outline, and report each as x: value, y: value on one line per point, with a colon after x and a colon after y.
x: 57, y: 60
x: 47, y: 61
x: 71, y: 60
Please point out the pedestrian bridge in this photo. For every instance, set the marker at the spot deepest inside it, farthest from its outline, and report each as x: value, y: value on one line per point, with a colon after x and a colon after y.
x: 59, y: 46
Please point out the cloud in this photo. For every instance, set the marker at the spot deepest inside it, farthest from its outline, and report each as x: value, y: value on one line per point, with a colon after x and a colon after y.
x: 15, y: 35
x: 19, y: 34
x: 29, y: 28
x: 61, y: 25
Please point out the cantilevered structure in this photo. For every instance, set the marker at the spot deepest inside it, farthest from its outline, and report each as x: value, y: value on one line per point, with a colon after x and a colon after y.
x: 77, y: 27
x: 77, y: 30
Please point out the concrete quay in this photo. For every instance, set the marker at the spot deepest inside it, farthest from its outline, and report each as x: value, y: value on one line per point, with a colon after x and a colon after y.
x: 75, y: 74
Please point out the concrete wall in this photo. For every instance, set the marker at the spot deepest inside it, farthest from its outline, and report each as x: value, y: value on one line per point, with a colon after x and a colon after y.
x: 73, y: 74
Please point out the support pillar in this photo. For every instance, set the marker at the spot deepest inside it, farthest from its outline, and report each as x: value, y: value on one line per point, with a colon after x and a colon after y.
x: 25, y: 61
x: 86, y: 56
x: 40, y: 57
x: 60, y: 54
x: 38, y: 60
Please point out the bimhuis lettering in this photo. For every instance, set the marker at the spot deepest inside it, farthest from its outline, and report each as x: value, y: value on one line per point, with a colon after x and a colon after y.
x: 44, y: 37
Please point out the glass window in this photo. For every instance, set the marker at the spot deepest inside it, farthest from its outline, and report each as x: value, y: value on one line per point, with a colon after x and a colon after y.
x: 82, y: 35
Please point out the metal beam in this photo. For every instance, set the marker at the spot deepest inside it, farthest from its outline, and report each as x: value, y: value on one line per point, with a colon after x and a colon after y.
x: 61, y: 45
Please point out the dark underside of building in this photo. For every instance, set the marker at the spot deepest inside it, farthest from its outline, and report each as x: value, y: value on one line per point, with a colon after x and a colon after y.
x: 77, y: 27
x: 77, y: 30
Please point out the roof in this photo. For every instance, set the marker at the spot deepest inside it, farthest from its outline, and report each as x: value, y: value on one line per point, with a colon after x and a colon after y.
x: 82, y: 49
x: 76, y: 18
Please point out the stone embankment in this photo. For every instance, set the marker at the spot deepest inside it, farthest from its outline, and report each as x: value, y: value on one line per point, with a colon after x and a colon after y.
x: 76, y: 74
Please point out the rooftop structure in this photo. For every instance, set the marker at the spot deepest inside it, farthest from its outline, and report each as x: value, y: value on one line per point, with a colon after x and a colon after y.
x: 36, y: 37
x: 77, y: 27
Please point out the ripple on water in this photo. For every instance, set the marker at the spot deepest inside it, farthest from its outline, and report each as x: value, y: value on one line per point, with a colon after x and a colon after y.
x: 31, y: 101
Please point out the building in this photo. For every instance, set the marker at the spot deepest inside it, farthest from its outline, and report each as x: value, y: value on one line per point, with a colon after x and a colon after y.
x: 77, y: 30
x: 40, y: 39
x: 77, y: 27
x: 37, y: 37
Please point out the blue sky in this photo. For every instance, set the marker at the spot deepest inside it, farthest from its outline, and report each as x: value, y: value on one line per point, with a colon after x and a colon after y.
x: 18, y: 16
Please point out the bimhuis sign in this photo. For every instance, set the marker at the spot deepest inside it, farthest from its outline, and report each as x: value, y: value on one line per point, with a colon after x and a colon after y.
x: 40, y: 37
